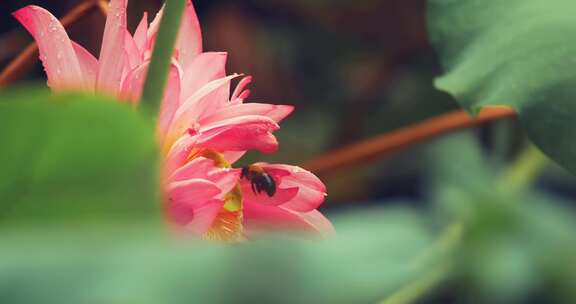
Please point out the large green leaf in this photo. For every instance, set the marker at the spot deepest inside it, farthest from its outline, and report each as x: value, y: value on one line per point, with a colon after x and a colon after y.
x: 74, y: 159
x: 519, y: 53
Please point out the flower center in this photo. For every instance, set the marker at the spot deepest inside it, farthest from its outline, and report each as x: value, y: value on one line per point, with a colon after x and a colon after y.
x: 218, y: 158
x: 227, y: 225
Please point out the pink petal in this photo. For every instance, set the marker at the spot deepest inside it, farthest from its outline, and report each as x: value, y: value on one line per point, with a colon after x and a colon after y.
x: 226, y: 179
x: 201, y: 70
x: 275, y: 112
x: 177, y: 154
x: 155, y: 24
x: 125, y: 68
x: 196, y: 168
x: 318, y: 221
x: 113, y: 44
x: 133, y: 83
x: 295, y: 173
x: 179, y: 213
x: 204, y: 217
x: 132, y: 51
x: 184, y: 197
x: 266, y: 122
x: 281, y: 196
x: 88, y: 65
x: 170, y: 102
x: 307, y: 198
x: 240, y: 139
x: 311, y: 190
x: 204, y: 168
x: 240, y: 87
x: 152, y: 32
x: 297, y: 189
x: 189, y: 42
x: 245, y: 94
x: 265, y: 218
x: 140, y: 35
x: 192, y: 192
x: 56, y: 50
x: 232, y: 156
x: 202, y: 102
x: 240, y: 134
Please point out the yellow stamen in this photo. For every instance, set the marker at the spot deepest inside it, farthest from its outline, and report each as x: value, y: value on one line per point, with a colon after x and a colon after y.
x: 218, y: 158
x: 227, y: 225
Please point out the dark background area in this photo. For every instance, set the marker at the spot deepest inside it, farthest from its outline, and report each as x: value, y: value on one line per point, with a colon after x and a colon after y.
x: 354, y: 69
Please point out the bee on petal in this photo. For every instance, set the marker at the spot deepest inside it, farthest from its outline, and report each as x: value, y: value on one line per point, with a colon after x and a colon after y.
x: 259, y: 180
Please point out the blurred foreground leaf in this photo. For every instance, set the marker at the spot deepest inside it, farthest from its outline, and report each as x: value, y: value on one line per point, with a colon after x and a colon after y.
x: 372, y: 256
x: 74, y: 160
x: 517, y: 243
x: 518, y: 53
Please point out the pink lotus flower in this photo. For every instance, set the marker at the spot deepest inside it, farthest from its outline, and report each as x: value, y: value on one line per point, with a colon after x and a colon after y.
x: 202, y: 128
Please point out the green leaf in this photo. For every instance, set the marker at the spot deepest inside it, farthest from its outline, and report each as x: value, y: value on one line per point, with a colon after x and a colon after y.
x: 74, y: 160
x: 514, y: 242
x: 157, y: 75
x: 518, y: 53
x: 372, y: 256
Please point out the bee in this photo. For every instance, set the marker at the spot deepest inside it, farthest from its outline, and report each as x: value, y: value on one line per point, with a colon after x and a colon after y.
x: 259, y: 180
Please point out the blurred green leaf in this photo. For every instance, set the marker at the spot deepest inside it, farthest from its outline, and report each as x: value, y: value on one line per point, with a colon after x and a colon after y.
x: 515, y: 243
x: 159, y: 67
x: 372, y: 256
x: 74, y: 160
x: 517, y: 53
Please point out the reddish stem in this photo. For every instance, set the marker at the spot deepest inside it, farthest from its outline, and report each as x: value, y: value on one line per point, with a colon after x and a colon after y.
x: 103, y: 6
x: 386, y: 144
x: 27, y: 58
